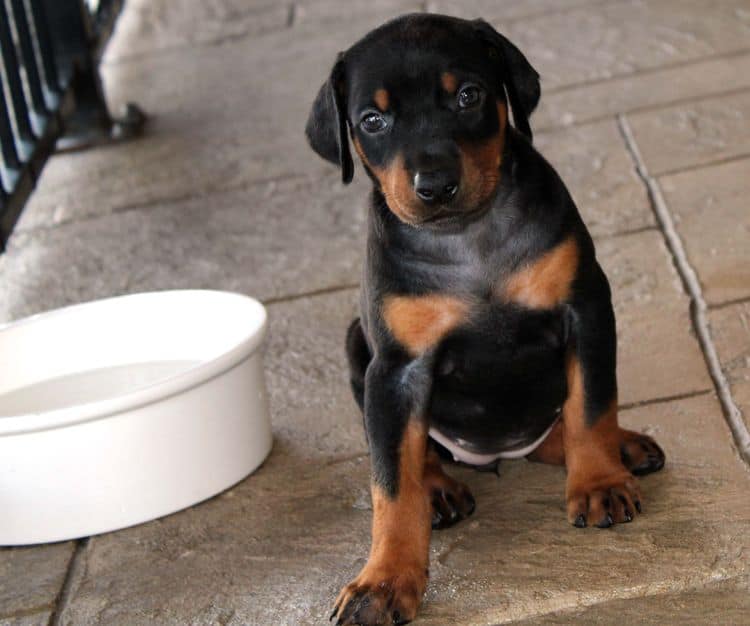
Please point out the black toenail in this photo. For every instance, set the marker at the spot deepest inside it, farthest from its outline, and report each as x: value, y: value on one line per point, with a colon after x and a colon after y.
x: 580, y: 521
x: 472, y: 504
x: 606, y: 522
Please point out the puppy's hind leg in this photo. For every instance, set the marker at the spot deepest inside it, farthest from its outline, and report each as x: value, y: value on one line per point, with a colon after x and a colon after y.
x: 451, y: 500
x: 638, y: 452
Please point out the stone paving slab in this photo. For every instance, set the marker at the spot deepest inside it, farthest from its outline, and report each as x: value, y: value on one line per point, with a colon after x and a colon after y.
x: 315, y: 417
x: 507, y: 10
x: 150, y: 26
x: 30, y: 580
x: 598, y: 171
x: 712, y: 218
x: 730, y: 330
x: 695, y: 133
x: 264, y: 241
x: 37, y: 619
x: 620, y: 38
x: 332, y: 13
x: 657, y: 88
x: 726, y: 601
x: 205, y: 133
x: 658, y: 356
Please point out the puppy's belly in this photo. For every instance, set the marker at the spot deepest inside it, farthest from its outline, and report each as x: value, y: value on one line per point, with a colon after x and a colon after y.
x: 497, y: 402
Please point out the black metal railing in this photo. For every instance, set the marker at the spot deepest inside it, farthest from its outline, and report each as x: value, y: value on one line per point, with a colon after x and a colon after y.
x: 51, y: 96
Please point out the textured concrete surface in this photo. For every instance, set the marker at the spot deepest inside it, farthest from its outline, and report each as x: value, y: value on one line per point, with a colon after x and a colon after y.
x: 596, y: 167
x: 34, y: 619
x: 31, y: 579
x: 712, y: 217
x: 272, y: 239
x: 730, y: 328
x: 727, y: 602
x: 222, y: 192
x: 647, y: 90
x: 693, y: 134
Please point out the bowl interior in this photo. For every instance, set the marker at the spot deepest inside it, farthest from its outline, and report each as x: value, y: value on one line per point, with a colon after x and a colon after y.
x: 108, y: 348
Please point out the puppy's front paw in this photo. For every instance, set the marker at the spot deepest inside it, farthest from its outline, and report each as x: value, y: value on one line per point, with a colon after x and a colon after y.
x: 381, y: 594
x: 603, y: 500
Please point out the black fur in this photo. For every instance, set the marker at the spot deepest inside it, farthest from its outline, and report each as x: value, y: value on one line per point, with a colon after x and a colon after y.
x: 515, y: 72
x: 327, y: 129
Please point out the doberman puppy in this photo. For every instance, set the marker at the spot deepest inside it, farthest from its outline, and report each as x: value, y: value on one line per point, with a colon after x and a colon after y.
x: 486, y: 322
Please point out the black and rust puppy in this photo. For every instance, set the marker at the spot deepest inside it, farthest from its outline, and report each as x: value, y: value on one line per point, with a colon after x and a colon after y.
x: 486, y: 321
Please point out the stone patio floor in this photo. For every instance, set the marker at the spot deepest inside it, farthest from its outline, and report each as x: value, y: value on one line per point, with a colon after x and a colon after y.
x: 645, y: 112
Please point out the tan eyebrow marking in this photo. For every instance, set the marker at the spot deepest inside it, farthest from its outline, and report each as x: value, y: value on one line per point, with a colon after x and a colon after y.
x: 449, y: 82
x: 382, y: 99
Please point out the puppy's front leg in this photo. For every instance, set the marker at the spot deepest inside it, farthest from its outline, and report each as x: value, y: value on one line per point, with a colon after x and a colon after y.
x: 600, y: 490
x: 390, y: 587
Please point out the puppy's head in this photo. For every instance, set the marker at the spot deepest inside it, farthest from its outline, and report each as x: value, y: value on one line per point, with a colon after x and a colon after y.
x: 425, y: 99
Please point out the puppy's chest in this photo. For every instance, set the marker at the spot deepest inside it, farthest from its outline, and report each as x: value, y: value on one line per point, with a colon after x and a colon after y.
x: 420, y: 322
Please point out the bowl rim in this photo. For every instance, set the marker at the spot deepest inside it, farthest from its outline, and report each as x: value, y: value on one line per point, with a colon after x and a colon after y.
x: 202, y: 372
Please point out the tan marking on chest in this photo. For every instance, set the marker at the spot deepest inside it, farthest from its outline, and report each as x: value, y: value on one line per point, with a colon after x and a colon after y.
x: 420, y: 322
x: 545, y: 282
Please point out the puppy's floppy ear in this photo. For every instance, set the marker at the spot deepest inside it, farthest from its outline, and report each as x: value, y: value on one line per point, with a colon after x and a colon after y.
x: 326, y: 127
x: 521, y: 80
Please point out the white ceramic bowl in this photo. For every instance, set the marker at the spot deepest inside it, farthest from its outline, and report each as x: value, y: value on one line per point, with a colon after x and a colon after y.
x: 119, y: 411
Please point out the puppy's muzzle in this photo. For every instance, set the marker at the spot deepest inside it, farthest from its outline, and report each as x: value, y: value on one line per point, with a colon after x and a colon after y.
x: 436, y: 187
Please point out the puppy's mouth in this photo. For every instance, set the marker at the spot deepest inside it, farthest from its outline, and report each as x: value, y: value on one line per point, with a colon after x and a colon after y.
x: 452, y: 217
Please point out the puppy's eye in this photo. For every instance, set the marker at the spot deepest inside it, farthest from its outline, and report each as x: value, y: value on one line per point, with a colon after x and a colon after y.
x: 373, y: 122
x: 469, y: 97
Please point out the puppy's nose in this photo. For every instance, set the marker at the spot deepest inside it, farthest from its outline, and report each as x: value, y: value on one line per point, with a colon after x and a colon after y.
x: 439, y: 187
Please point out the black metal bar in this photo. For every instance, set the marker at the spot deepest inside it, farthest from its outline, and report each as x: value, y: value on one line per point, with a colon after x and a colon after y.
x: 7, y: 141
x: 69, y: 35
x: 13, y: 77
x: 28, y: 57
x: 44, y: 42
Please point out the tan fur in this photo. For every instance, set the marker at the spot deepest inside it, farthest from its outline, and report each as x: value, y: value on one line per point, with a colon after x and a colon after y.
x: 401, y: 527
x: 382, y: 99
x: 436, y: 480
x: 480, y: 164
x: 420, y: 322
x: 592, y: 456
x: 449, y: 82
x: 545, y: 282
x: 551, y: 450
x: 397, y: 189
